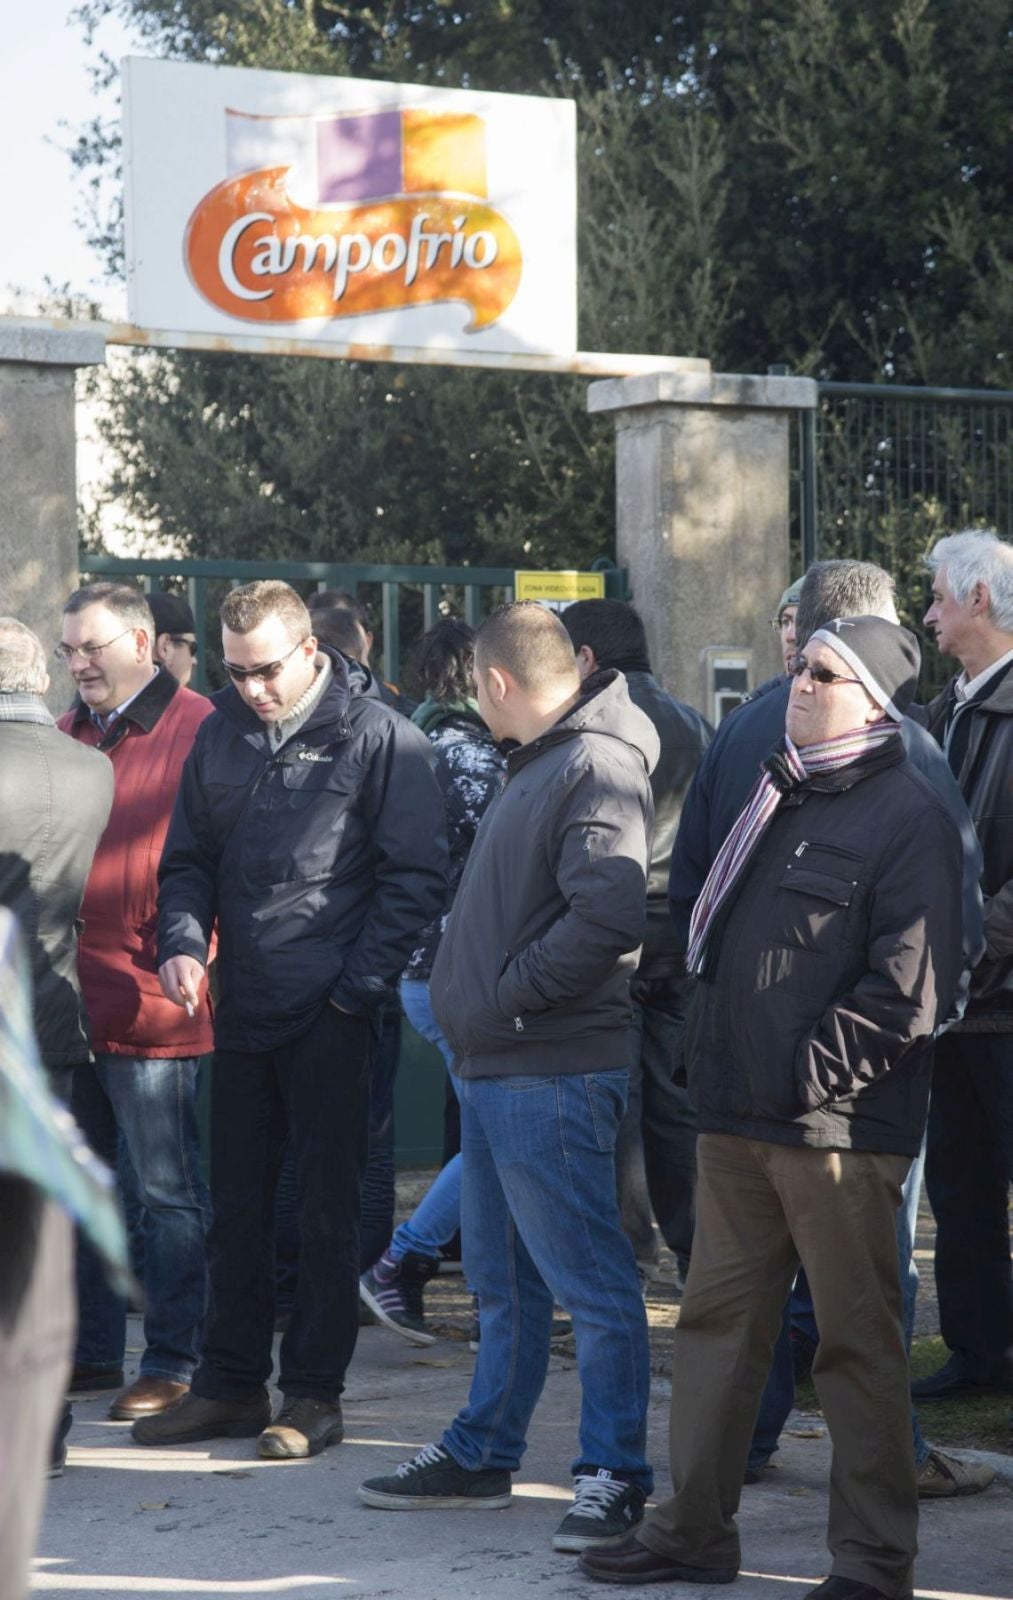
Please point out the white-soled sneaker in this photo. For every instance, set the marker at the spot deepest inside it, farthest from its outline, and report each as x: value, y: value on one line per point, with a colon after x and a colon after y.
x: 605, y: 1511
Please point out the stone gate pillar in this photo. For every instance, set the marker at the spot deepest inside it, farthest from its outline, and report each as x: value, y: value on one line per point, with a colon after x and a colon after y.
x: 38, y: 473
x: 702, y: 517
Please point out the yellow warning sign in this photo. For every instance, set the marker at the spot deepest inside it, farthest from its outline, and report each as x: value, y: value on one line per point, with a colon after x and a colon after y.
x: 559, y: 588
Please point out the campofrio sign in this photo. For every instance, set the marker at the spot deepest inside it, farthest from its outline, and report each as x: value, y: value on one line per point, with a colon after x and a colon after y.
x: 347, y: 210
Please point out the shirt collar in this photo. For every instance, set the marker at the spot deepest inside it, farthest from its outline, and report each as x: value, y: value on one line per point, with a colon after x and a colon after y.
x: 17, y: 707
x: 143, y: 708
x: 967, y: 688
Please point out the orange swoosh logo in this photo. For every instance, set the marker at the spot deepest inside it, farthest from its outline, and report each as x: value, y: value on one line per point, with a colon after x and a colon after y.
x: 253, y: 252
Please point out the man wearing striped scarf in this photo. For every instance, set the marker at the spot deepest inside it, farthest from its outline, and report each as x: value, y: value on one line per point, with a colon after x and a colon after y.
x: 827, y: 946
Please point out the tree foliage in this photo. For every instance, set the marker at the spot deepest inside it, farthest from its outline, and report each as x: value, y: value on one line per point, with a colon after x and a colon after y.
x: 819, y: 182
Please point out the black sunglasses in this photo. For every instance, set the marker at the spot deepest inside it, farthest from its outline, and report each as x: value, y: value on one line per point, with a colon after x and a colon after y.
x: 191, y: 644
x: 269, y: 670
x: 819, y: 674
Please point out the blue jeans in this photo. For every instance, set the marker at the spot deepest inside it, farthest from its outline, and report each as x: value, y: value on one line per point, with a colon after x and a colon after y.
x: 779, y: 1394
x: 437, y: 1217
x: 541, y: 1222
x: 151, y: 1103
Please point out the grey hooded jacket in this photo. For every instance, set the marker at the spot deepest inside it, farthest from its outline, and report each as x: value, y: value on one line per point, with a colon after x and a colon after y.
x: 532, y: 974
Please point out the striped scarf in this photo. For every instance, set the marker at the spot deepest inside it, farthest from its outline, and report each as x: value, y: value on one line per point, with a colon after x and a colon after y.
x: 782, y: 773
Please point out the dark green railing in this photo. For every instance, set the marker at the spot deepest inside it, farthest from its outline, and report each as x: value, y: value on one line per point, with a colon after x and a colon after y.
x: 404, y: 600
x: 884, y: 470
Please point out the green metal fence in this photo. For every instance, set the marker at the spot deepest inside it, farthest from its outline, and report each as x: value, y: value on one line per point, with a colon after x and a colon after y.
x: 882, y: 471
x: 403, y: 600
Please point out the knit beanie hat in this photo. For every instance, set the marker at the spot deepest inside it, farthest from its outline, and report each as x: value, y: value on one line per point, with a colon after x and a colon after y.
x: 791, y: 597
x: 884, y: 656
x: 171, y: 613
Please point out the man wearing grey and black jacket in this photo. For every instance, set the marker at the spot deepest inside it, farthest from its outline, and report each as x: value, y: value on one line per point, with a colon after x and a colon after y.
x: 531, y: 988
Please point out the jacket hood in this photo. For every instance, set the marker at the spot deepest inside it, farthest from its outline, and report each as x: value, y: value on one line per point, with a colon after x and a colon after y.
x: 604, y: 707
x: 348, y: 678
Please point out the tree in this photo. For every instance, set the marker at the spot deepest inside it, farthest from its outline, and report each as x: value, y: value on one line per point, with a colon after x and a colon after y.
x: 821, y: 182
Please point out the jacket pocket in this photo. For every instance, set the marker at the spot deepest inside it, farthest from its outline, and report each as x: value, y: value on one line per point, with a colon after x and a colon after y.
x: 811, y: 909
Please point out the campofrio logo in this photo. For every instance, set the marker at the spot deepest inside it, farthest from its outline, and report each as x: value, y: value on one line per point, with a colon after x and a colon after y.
x: 354, y: 214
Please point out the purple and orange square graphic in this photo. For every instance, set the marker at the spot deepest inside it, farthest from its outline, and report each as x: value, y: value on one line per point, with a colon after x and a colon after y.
x: 375, y: 154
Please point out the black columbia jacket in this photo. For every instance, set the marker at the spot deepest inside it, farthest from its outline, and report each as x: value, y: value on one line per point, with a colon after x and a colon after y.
x: 986, y: 782
x: 831, y: 965
x: 532, y: 973
x: 321, y: 862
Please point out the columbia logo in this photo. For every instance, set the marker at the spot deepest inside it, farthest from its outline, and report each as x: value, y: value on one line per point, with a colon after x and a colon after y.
x: 313, y: 755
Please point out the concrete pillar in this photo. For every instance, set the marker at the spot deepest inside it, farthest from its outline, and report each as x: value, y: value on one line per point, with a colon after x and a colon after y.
x: 38, y: 474
x: 702, y: 516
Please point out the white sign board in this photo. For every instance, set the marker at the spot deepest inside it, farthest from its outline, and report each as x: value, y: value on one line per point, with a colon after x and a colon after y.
x: 348, y: 211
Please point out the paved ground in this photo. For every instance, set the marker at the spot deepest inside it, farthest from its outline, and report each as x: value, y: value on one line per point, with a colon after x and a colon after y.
x: 212, y: 1520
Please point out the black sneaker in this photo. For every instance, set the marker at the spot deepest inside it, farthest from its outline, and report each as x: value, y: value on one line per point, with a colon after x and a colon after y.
x: 433, y: 1479
x: 605, y: 1511
x: 392, y: 1290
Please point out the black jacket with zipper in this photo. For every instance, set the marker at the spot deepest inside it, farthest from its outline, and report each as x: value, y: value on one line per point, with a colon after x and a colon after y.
x: 321, y: 861
x: 532, y: 973
x: 831, y: 965
x: 986, y: 782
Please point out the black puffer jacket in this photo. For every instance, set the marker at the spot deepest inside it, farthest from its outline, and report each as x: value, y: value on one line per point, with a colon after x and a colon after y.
x: 321, y: 862
x: 986, y: 782
x: 532, y: 973
x: 55, y: 799
x: 834, y: 960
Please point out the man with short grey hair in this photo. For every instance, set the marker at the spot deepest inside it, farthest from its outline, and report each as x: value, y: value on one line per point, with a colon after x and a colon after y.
x: 970, y: 1139
x: 46, y: 848
x: 55, y: 799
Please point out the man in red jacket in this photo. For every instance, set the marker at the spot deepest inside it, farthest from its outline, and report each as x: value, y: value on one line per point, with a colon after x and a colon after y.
x: 141, y: 1088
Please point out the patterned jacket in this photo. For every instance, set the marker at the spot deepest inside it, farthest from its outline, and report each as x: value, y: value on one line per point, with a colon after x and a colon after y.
x: 469, y: 770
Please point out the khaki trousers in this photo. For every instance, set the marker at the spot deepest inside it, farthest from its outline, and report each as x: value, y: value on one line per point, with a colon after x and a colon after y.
x: 36, y: 1344
x: 762, y: 1208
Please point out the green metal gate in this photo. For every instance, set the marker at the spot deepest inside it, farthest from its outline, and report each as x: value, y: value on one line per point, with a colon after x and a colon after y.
x: 404, y: 600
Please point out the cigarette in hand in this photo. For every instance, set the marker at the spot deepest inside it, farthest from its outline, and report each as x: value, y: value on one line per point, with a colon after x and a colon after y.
x: 190, y: 1011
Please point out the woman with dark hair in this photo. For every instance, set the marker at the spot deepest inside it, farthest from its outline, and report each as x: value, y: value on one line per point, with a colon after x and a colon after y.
x: 469, y: 769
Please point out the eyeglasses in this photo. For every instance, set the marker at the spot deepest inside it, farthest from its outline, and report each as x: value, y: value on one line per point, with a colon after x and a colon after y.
x: 91, y: 652
x: 265, y: 673
x: 179, y: 639
x: 818, y: 674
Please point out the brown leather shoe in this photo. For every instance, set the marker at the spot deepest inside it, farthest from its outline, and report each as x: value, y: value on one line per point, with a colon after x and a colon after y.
x: 302, y: 1428
x: 194, y: 1418
x: 632, y: 1562
x: 145, y: 1397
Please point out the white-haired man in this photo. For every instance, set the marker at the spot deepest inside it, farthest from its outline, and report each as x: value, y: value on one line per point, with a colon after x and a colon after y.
x: 970, y: 1143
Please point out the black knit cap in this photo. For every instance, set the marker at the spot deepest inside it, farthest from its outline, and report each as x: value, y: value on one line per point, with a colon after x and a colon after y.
x: 171, y: 613
x: 883, y: 655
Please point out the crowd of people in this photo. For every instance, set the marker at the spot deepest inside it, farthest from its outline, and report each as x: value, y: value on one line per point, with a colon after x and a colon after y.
x: 732, y: 990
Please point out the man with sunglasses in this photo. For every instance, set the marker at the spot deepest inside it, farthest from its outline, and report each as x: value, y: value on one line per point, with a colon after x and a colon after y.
x: 310, y: 826
x: 175, y: 635
x: 826, y: 943
x: 830, y: 589
x: 141, y: 1087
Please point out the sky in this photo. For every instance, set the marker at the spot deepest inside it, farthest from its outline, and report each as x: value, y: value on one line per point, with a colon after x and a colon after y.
x: 44, y: 82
